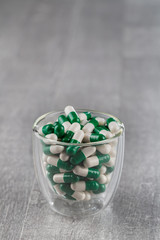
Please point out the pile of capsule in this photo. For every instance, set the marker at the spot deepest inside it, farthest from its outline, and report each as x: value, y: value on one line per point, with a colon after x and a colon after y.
x: 74, y: 172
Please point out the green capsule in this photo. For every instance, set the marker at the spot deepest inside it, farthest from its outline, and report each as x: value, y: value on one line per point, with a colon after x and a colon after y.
x: 68, y: 136
x: 52, y: 169
x: 66, y: 188
x: 101, y: 189
x: 99, y: 129
x: 64, y: 165
x: 94, y: 122
x: 93, y: 173
x: 88, y: 115
x: 98, y: 166
x: 110, y: 120
x: 55, y: 123
x: 72, y: 150
x: 48, y: 129
x: 94, y: 137
x: 59, y: 130
x: 103, y: 158
x: 73, y: 117
x: 50, y: 177
x: 109, y: 169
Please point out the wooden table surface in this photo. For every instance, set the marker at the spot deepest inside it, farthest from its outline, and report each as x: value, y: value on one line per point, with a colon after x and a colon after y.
x: 102, y: 55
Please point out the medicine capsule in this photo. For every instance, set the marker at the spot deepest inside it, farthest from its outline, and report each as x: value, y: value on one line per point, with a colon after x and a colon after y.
x: 50, y: 177
x: 69, y: 197
x: 70, y: 132
x: 112, y: 125
x: 90, y: 126
x: 96, y: 160
x: 101, y: 121
x: 55, y: 161
x: 64, y: 157
x: 58, y: 190
x: 67, y: 177
x: 103, y: 179
x: 52, y: 149
x: 46, y: 129
x: 52, y: 169
x: 64, y: 121
x: 49, y: 137
x: 83, y: 123
x: 86, y: 172
x: 109, y: 169
x: 84, y: 116
x: 101, y: 189
x: 110, y: 163
x: 104, y: 149
x: 76, y: 195
x: 93, y: 137
x: 55, y: 123
x: 82, y: 155
x: 59, y: 130
x: 85, y: 185
x: 71, y: 114
x: 87, y: 196
x: 103, y: 131
x: 77, y: 138
x: 103, y: 170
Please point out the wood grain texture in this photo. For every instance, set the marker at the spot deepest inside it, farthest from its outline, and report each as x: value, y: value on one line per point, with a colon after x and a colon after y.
x: 92, y: 54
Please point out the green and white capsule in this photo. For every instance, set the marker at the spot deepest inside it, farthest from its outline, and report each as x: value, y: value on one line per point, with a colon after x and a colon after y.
x: 84, y: 116
x: 96, y: 160
x: 64, y: 121
x: 90, y: 126
x: 64, y: 157
x: 82, y: 154
x: 59, y: 130
x: 87, y: 196
x: 55, y: 161
x: 101, y: 121
x: 103, y: 131
x: 71, y: 114
x: 52, y: 169
x: 58, y: 190
x: 77, y: 138
x: 111, y: 162
x: 86, y: 172
x: 93, y: 137
x: 101, y: 189
x: 52, y: 149
x: 103, y: 169
x: 79, y: 196
x: 82, y: 186
x: 109, y: 169
x: 112, y: 125
x: 46, y: 129
x: 50, y: 177
x: 104, y: 149
x: 67, y: 177
x: 70, y: 132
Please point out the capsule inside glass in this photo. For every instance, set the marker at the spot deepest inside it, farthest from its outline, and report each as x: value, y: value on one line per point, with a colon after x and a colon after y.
x: 62, y: 202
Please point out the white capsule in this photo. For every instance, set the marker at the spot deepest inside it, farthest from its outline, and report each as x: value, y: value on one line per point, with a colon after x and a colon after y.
x: 63, y: 156
x: 102, y: 179
x: 86, y: 138
x: 79, y: 196
x: 81, y: 171
x: 87, y: 196
x: 44, y: 157
x: 49, y: 137
x: 91, y: 162
x: 88, y: 151
x: 103, y: 170
x: 58, y: 178
x: 58, y: 190
x: 79, y: 186
x: 104, y: 149
x: 106, y: 133
x: 101, y: 121
x: 113, y: 127
x: 69, y: 109
x: 53, y: 160
x: 79, y: 135
x: 89, y: 127
x: 74, y: 127
x: 55, y: 149
x: 111, y: 162
x: 82, y: 116
x: 112, y: 153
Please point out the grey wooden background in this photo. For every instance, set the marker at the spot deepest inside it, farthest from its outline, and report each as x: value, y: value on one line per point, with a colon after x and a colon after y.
x: 102, y: 55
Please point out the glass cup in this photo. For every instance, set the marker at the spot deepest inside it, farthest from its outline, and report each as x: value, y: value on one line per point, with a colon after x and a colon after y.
x: 87, y: 201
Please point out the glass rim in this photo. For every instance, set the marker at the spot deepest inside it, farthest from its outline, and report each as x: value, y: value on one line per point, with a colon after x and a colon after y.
x: 56, y: 142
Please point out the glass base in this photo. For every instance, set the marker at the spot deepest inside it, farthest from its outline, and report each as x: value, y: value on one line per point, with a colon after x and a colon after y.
x: 77, y: 209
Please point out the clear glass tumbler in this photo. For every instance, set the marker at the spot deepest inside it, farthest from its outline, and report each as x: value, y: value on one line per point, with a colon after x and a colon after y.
x: 64, y: 202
